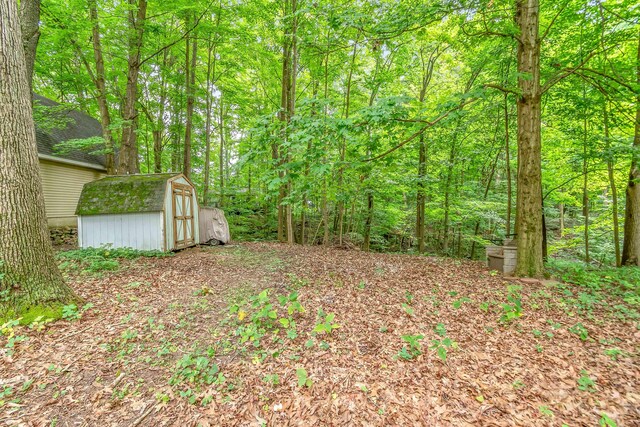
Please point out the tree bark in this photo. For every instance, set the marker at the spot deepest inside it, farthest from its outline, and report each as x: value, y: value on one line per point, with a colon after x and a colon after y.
x: 28, y: 271
x: 529, y: 184
x: 128, y: 162
x: 507, y: 161
x: 30, y: 28
x: 631, y: 242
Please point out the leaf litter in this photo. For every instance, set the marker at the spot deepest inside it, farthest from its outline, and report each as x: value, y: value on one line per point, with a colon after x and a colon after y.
x: 404, y: 340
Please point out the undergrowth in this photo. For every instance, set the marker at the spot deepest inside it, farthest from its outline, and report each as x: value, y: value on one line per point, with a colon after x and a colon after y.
x: 97, y: 260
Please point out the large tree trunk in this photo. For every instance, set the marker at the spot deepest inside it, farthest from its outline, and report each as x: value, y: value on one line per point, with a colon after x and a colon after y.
x: 100, y: 83
x: 28, y: 270
x: 30, y: 28
x: 631, y: 243
x: 128, y: 162
x: 529, y: 192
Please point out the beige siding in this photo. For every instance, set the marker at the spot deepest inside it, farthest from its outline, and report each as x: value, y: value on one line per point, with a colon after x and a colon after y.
x: 62, y: 185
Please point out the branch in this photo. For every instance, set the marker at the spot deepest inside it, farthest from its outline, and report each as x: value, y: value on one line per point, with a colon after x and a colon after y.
x: 421, y: 131
x: 573, y: 178
x: 607, y: 76
x: 173, y: 43
x: 553, y: 21
x: 502, y: 88
x: 566, y: 73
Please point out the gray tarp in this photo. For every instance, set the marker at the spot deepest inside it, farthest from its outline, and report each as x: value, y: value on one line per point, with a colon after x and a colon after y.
x: 213, y: 225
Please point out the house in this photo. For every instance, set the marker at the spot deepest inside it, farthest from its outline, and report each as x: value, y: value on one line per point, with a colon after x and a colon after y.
x: 143, y: 211
x: 64, y: 175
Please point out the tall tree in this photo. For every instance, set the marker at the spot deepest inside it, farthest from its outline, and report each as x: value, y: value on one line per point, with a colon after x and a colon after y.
x: 101, y: 87
x: 529, y: 187
x: 191, y: 50
x: 631, y: 242
x: 29, y: 275
x: 128, y: 162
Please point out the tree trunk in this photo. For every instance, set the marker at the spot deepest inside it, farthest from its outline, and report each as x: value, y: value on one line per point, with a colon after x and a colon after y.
x: 507, y: 160
x: 100, y: 83
x: 30, y: 28
x: 211, y: 64
x: 421, y: 198
x: 128, y: 162
x: 561, y: 210
x: 529, y: 188
x: 342, y: 148
x: 190, y: 67
x: 614, y: 188
x: 585, y: 193
x: 28, y: 271
x: 447, y: 192
x: 631, y: 243
x: 368, y: 221
x: 221, y: 156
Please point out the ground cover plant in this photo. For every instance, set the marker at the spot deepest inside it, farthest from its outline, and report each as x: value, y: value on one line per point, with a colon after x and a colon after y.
x: 266, y: 334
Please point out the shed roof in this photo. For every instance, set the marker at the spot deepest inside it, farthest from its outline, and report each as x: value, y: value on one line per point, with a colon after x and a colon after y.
x: 79, y: 126
x: 120, y: 194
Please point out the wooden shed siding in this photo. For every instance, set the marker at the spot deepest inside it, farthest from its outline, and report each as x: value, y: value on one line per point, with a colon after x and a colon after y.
x: 133, y: 230
x: 62, y: 185
x: 168, y: 208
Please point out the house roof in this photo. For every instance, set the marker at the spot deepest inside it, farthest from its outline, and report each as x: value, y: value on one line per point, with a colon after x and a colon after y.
x: 78, y: 126
x: 118, y: 194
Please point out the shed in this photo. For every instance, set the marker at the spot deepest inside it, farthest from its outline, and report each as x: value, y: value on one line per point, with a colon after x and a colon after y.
x: 146, y: 212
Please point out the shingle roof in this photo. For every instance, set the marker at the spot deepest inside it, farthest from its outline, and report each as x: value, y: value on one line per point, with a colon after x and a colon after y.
x: 119, y: 194
x: 80, y: 126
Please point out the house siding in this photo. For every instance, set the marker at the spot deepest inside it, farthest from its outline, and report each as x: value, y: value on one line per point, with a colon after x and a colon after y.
x: 62, y: 185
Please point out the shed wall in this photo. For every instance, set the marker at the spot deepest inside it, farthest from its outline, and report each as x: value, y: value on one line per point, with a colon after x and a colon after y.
x: 142, y: 231
x: 62, y: 185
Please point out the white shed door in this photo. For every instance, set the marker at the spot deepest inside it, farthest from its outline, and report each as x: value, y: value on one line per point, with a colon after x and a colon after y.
x: 183, y: 223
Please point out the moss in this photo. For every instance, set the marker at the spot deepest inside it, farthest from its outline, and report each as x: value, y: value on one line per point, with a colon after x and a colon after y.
x: 29, y: 314
x: 124, y: 194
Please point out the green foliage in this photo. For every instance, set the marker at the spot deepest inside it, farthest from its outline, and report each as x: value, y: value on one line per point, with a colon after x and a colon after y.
x: 303, y: 378
x: 71, y: 311
x: 513, y: 308
x: 442, y: 344
x: 580, y: 330
x: 195, y: 370
x: 326, y: 323
x: 585, y: 383
x: 263, y: 316
x: 413, y: 350
x: 98, y: 260
x: 605, y: 421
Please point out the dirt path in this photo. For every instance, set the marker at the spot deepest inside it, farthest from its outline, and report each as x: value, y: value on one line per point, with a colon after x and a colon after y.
x: 161, y: 347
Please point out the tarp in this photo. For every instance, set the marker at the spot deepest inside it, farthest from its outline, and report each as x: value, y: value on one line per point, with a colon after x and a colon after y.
x: 213, y: 226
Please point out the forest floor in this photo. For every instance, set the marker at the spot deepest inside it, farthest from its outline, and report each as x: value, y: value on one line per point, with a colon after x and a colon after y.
x: 354, y: 339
